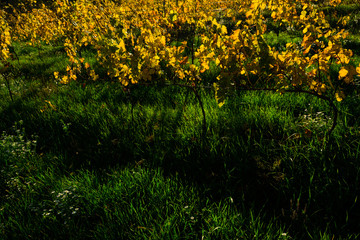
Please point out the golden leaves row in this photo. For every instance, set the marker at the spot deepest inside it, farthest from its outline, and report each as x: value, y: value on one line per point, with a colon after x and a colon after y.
x: 143, y: 40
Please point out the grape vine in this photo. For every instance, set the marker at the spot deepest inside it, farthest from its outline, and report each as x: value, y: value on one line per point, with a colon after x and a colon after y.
x: 177, y: 42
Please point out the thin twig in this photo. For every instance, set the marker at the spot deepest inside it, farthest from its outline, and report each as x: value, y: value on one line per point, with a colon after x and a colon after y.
x: 8, y: 86
x: 202, y: 109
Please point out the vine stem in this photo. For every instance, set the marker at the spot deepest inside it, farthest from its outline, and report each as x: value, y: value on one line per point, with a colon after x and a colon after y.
x: 8, y: 86
x: 193, y: 88
x: 202, y: 109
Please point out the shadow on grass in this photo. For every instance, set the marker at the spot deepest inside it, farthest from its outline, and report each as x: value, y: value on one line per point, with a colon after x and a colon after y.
x: 249, y: 155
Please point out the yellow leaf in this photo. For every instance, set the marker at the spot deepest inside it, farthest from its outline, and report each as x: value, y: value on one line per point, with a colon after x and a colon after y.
x: 93, y: 75
x: 172, y: 61
x: 323, y: 88
x: 184, y: 60
x: 65, y: 80
x: 205, y: 66
x: 122, y: 45
x: 84, y: 39
x: 281, y: 58
x: 217, y: 62
x: 163, y: 40
x: 248, y: 14
x: 224, y: 29
x: 343, y: 72
x: 327, y: 34
x: 344, y: 58
x: 73, y: 76
x: 220, y: 104
x: 181, y: 74
x: 303, y: 15
x: 218, y: 43
x: 210, y: 56
x: 339, y: 96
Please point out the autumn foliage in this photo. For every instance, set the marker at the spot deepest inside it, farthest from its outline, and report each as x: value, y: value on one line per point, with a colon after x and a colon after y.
x: 176, y: 41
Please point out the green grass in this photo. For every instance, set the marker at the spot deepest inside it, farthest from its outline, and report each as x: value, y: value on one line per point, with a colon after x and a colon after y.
x: 122, y: 202
x: 103, y: 163
x: 135, y: 162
